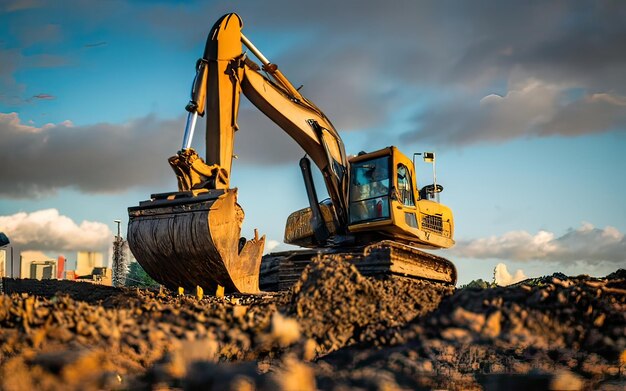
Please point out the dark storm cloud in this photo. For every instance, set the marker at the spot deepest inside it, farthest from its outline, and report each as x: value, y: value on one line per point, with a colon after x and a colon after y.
x: 530, y: 108
x: 106, y: 158
x: 365, y: 62
x: 441, y: 63
x: 260, y: 141
x: 35, y: 161
x: 594, y: 113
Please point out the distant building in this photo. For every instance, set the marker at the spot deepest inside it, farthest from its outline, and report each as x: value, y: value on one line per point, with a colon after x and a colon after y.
x: 40, y: 260
x: 103, y: 276
x: 43, y: 270
x: 60, y: 267
x: 100, y: 275
x: 86, y: 261
x: 3, y: 263
x: 28, y: 257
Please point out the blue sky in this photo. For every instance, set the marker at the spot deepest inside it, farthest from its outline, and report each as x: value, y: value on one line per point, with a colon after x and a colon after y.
x: 524, y: 104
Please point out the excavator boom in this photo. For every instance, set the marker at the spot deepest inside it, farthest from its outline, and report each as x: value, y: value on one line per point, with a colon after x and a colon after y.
x: 192, y: 237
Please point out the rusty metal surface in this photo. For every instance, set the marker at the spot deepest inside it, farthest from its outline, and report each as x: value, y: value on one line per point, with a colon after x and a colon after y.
x: 193, y: 242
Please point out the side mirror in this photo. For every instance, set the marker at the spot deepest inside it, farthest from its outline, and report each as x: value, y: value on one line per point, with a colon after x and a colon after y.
x: 429, y: 191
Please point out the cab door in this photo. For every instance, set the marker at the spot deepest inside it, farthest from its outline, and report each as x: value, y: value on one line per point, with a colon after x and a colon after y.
x: 405, y: 194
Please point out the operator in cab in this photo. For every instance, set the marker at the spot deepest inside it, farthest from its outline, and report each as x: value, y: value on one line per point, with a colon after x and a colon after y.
x: 370, y: 191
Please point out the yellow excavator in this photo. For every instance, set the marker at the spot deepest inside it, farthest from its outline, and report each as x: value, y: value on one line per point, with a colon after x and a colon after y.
x: 376, y: 217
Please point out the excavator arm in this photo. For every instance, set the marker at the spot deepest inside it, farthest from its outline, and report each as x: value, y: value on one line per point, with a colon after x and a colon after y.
x: 222, y: 73
x: 310, y: 128
x: 192, y: 237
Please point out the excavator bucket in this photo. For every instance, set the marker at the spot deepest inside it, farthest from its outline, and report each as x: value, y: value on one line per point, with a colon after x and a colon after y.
x: 182, y: 240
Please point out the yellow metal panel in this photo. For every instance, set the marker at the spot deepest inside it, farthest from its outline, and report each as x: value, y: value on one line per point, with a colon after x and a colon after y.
x: 223, y: 93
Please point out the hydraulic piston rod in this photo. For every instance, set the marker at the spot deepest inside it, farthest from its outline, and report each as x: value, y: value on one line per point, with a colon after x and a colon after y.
x: 197, y: 102
x: 254, y: 50
x: 190, y: 127
x: 272, y: 69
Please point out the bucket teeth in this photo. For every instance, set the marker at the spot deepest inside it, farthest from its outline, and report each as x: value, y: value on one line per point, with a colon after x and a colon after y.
x: 195, y: 241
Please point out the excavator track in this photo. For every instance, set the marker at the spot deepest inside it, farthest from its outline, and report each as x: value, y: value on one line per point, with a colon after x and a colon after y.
x: 279, y: 271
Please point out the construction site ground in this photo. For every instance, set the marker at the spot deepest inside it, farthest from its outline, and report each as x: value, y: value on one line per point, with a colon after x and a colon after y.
x: 335, y: 329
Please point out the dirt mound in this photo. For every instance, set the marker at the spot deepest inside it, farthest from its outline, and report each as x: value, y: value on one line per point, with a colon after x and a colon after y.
x: 78, y: 290
x: 338, y: 306
x: 579, y: 312
x: 136, y: 333
x: 335, y: 330
x: 549, y: 333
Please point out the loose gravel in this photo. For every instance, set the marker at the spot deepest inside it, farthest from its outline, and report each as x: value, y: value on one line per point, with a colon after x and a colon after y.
x: 335, y: 329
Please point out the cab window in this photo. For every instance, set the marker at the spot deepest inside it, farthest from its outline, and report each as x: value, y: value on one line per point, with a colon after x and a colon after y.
x: 405, y: 185
x: 369, y: 190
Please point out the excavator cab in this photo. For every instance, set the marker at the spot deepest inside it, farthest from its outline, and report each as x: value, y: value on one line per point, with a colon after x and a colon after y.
x: 384, y: 202
x: 384, y: 198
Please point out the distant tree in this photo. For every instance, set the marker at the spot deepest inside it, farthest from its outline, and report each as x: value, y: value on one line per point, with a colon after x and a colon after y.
x: 480, y: 284
x: 137, y: 277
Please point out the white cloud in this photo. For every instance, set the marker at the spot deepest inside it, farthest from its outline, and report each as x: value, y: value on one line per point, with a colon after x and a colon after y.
x: 47, y: 230
x: 271, y: 245
x: 586, y: 244
x: 278, y: 246
x: 504, y: 278
x: 612, y: 99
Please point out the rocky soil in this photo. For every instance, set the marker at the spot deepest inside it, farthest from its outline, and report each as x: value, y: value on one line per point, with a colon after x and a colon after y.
x: 334, y: 330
